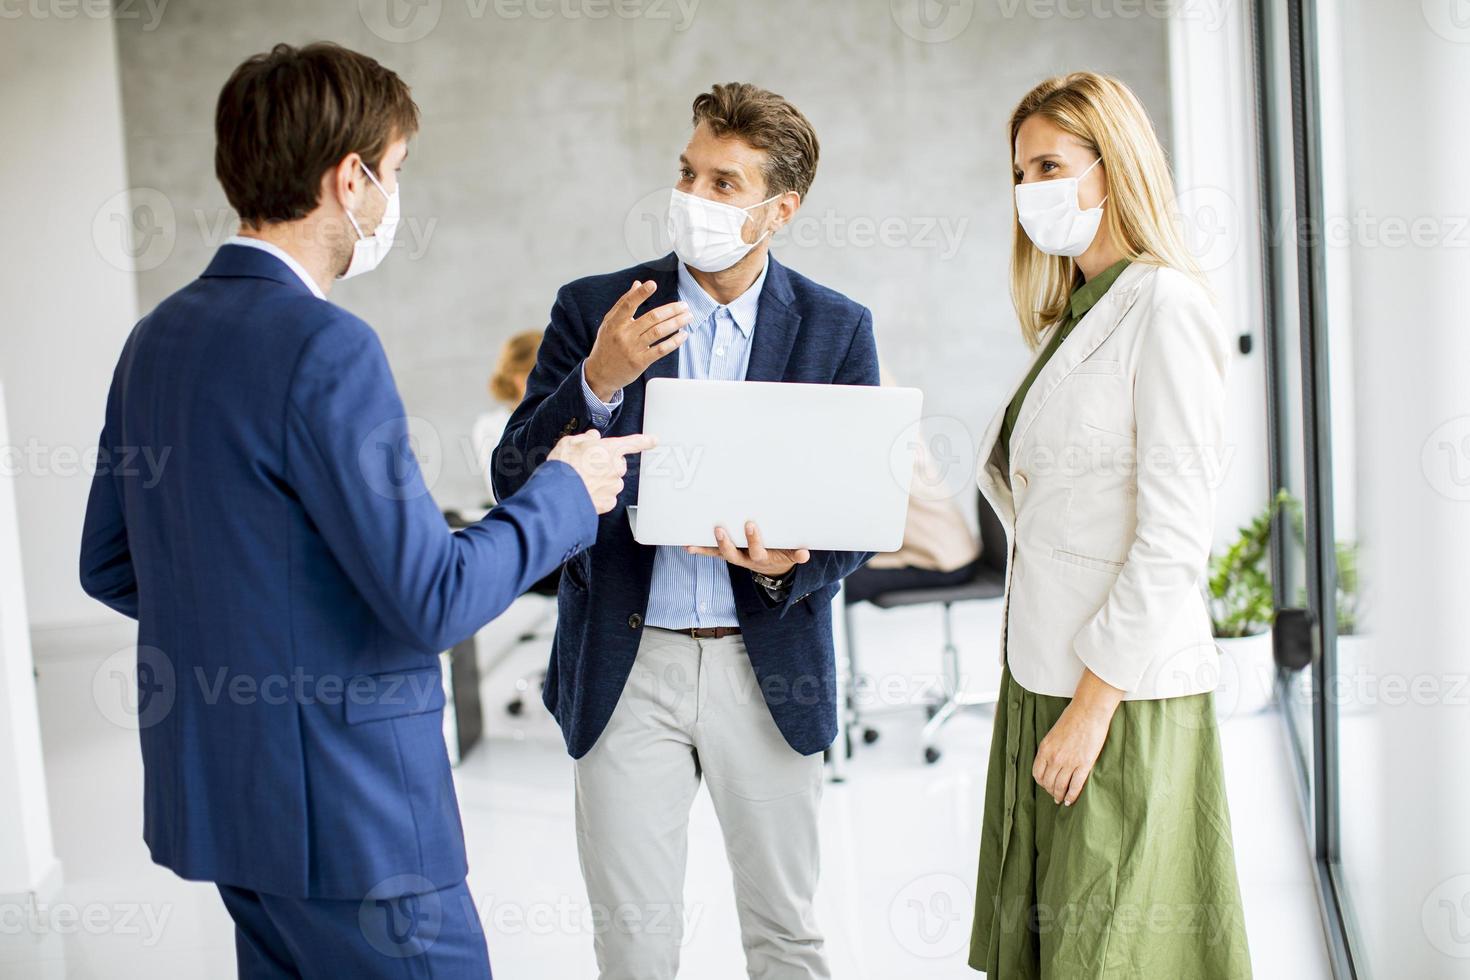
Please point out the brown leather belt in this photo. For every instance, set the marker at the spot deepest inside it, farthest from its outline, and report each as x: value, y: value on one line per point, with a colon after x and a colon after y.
x: 704, y: 632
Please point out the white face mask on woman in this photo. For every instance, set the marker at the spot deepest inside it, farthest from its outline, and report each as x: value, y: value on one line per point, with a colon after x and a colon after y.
x: 1049, y: 213
x: 369, y: 250
x: 706, y: 234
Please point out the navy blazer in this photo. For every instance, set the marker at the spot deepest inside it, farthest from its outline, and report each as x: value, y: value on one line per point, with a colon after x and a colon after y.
x: 804, y: 333
x: 293, y: 583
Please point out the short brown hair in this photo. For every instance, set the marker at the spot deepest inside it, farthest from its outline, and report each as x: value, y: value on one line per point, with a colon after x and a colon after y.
x: 765, y: 121
x: 284, y: 118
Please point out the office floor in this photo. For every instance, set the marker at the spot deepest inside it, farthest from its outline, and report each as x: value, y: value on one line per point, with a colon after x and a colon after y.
x: 899, y: 853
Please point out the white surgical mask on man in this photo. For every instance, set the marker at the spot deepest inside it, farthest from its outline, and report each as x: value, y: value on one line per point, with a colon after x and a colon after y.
x: 706, y: 234
x: 369, y: 250
x: 1049, y: 213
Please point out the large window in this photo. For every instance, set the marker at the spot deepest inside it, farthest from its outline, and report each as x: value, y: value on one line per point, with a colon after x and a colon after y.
x: 1309, y: 568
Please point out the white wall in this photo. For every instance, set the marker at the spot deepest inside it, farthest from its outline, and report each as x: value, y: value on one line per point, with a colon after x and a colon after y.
x: 27, y: 862
x: 67, y: 278
x: 550, y: 141
x: 1404, y: 709
x: 1214, y: 161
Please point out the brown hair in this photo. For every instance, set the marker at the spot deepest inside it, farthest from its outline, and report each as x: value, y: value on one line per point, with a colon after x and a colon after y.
x: 765, y: 121
x: 286, y: 117
x: 517, y: 358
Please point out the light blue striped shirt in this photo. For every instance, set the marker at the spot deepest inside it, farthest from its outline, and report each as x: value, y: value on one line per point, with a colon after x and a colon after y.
x: 692, y: 590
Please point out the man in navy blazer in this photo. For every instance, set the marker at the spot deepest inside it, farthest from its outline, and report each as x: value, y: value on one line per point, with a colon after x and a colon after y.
x: 673, y: 665
x: 292, y: 579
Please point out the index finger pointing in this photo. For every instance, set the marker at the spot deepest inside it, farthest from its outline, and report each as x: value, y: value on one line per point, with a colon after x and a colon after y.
x: 628, y: 445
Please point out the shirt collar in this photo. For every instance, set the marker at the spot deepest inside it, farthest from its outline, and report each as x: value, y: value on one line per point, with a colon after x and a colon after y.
x: 742, y: 308
x: 285, y: 257
x: 1085, y: 296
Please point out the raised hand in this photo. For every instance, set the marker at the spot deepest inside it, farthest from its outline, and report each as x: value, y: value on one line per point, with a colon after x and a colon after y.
x: 625, y: 347
x: 601, y: 463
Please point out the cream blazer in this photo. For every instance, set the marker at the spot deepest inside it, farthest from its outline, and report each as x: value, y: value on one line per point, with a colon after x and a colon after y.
x: 1108, y: 504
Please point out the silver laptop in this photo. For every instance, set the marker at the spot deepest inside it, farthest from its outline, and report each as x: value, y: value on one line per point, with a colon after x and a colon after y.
x: 825, y: 467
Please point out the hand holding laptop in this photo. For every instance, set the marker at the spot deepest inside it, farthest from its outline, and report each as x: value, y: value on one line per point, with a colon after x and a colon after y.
x: 774, y: 562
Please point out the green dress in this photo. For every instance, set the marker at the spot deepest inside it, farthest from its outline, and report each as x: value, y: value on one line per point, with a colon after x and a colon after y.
x: 1136, y: 879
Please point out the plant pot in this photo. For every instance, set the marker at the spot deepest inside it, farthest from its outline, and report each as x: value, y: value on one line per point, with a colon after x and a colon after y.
x: 1247, y: 675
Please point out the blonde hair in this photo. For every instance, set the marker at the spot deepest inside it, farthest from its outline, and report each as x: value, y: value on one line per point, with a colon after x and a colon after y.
x: 517, y: 358
x: 1106, y: 117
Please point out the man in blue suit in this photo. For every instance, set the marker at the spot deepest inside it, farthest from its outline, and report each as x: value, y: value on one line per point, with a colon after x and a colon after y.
x: 292, y: 578
x: 676, y: 664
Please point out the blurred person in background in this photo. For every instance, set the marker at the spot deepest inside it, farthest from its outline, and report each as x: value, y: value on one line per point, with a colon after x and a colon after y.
x: 939, y: 547
x: 507, y: 387
x: 1105, y: 798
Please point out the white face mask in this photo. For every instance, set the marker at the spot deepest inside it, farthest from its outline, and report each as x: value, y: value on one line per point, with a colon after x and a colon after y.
x: 706, y: 234
x: 1049, y: 213
x: 368, y: 251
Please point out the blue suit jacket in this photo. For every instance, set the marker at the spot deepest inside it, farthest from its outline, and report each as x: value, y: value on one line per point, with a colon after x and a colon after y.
x: 293, y: 583
x: 804, y: 333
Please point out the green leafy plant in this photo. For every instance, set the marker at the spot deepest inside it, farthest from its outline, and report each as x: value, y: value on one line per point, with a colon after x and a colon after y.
x: 1240, y: 593
x: 1241, y: 602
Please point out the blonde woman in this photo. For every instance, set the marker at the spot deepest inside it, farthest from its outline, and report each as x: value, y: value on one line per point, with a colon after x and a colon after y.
x: 1105, y: 849
x: 507, y: 386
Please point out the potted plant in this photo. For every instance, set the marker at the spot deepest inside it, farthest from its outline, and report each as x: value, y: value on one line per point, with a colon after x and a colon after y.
x: 1242, y: 609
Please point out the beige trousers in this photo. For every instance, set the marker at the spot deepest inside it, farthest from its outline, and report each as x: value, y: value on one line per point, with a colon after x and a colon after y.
x: 691, y: 709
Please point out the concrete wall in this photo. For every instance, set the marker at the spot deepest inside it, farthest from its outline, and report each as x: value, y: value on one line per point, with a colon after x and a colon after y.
x: 550, y: 138
x: 66, y: 271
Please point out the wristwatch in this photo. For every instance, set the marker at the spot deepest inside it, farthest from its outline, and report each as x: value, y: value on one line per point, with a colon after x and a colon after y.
x: 775, y: 586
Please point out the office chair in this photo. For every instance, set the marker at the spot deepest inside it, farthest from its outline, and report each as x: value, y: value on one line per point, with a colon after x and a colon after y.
x: 459, y: 518
x: 982, y: 579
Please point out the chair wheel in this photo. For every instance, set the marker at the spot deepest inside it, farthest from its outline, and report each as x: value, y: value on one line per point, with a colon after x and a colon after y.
x: 931, y: 755
x: 515, y: 708
x: 870, y: 735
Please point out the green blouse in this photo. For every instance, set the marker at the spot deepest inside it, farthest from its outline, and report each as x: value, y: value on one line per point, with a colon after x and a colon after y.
x: 1083, y: 298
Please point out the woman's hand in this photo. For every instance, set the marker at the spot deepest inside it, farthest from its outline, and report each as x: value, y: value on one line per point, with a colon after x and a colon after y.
x: 1065, y: 757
